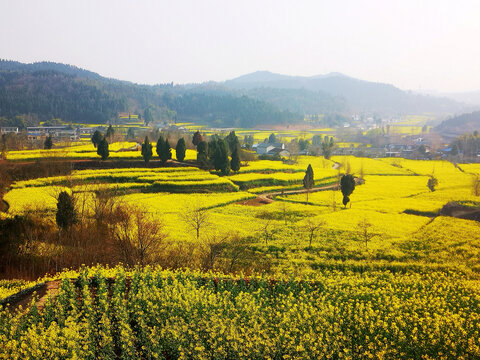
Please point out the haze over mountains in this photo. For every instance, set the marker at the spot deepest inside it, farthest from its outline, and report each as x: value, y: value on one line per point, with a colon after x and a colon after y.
x: 51, y: 90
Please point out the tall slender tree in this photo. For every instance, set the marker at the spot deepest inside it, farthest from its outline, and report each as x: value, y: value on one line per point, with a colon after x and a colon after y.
x: 221, y: 157
x: 235, y: 162
x: 147, y: 150
x: 308, y: 180
x: 180, y: 149
x: 347, y: 185
x: 96, y: 138
x: 102, y: 149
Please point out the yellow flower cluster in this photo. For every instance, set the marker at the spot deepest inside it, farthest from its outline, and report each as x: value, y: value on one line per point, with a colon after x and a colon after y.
x: 149, y: 313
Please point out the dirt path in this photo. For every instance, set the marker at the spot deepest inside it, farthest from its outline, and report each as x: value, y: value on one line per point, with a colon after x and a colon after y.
x: 24, y: 298
x: 268, y: 198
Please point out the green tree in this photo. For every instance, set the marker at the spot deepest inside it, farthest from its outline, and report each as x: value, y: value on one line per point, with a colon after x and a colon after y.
x: 432, y: 183
x: 110, y: 132
x: 197, y: 138
x: 130, y: 133
x: 308, y: 180
x: 232, y: 141
x: 327, y: 147
x: 347, y: 185
x: 180, y: 149
x: 102, y: 149
x: 147, y: 150
x: 168, y: 151
x: 48, y: 142
x: 272, y: 138
x: 96, y: 138
x: 202, y: 150
x: 160, y: 146
x: 66, y: 214
x: 221, y: 157
x: 235, y: 162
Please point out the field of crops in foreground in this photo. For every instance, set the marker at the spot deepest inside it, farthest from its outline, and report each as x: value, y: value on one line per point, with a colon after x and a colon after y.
x: 187, y: 315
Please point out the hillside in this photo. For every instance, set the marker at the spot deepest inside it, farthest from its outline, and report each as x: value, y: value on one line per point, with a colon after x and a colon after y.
x: 43, y: 91
x: 360, y: 95
x: 460, y: 124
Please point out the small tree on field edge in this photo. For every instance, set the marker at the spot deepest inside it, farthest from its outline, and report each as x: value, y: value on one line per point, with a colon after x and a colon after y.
x: 432, y: 183
x: 235, y: 162
x: 308, y: 181
x: 147, y: 150
x: 180, y: 149
x: 96, y: 138
x: 47, y: 145
x: 66, y: 214
x: 102, y: 149
x: 365, y: 230
x: 347, y: 185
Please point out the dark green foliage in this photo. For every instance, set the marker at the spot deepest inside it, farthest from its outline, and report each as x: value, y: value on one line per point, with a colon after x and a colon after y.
x: 432, y: 183
x: 221, y: 157
x: 66, y: 215
x: 308, y: 180
x: 202, y: 150
x: 102, y: 149
x: 347, y: 185
x: 147, y: 150
x: 168, y: 151
x: 163, y: 149
x: 49, y: 94
x: 327, y: 147
x: 248, y: 141
x: 197, y: 138
x: 110, y: 132
x: 180, y: 149
x: 232, y: 141
x: 235, y: 162
x: 130, y: 134
x: 96, y: 138
x: 212, y: 148
x: 272, y: 138
x: 160, y: 146
x: 48, y: 142
x: 468, y: 144
x: 303, y: 144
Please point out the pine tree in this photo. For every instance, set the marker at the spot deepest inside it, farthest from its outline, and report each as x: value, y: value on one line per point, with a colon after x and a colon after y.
x: 66, y: 215
x: 48, y: 142
x: 168, y: 151
x: 197, y: 138
x: 202, y: 150
x: 130, y: 134
x: 102, y: 149
x: 235, y: 162
x: 96, y: 138
x: 180, y: 149
x: 147, y: 150
x: 221, y: 157
x: 347, y: 185
x: 308, y: 181
x: 160, y: 147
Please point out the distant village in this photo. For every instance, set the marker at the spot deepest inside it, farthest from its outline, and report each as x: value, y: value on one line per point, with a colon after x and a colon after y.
x: 383, y: 144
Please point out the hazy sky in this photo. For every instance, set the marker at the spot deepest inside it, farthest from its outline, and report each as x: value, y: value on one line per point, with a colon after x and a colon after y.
x: 429, y: 45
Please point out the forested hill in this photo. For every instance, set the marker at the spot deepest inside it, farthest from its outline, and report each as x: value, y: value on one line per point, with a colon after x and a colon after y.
x: 30, y: 93
x: 461, y: 124
x: 359, y: 95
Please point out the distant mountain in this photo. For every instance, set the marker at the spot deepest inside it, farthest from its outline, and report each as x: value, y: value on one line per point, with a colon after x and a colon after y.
x: 30, y: 93
x: 471, y: 97
x: 461, y: 124
x: 359, y: 95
